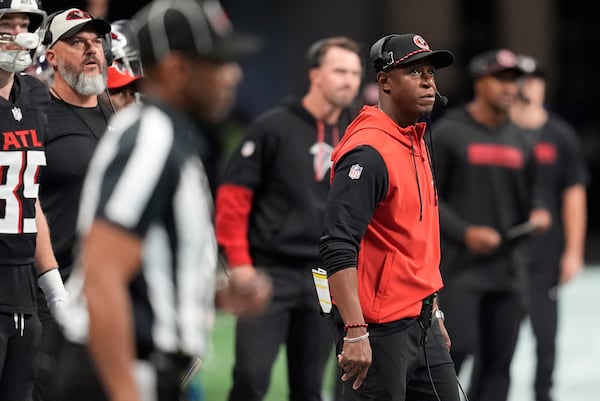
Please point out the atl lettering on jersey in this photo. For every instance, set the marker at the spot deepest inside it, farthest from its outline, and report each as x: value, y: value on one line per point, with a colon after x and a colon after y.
x: 20, y: 140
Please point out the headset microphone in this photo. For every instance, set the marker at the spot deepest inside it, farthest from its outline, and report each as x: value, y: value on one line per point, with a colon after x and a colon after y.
x: 443, y: 99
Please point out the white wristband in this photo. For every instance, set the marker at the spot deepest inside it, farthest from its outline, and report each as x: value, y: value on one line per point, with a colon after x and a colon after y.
x: 51, y: 283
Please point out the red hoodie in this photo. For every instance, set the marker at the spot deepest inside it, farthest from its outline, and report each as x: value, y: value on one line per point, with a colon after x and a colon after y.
x: 398, y: 261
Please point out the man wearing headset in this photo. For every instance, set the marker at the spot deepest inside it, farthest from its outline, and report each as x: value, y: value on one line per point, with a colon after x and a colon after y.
x: 24, y: 235
x: 380, y: 243
x: 76, y: 50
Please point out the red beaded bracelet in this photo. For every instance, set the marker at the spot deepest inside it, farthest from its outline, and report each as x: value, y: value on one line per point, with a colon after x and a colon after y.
x: 355, y: 326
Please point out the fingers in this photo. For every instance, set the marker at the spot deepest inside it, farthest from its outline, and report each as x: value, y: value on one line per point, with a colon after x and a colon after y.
x: 353, y: 369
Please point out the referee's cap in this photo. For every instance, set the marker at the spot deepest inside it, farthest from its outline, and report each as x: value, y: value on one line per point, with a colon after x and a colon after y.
x: 194, y: 27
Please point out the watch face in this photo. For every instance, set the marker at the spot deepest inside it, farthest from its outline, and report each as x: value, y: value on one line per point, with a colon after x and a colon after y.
x: 439, y: 314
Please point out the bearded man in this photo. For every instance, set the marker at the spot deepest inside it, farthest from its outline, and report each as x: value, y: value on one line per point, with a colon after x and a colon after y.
x: 76, y: 50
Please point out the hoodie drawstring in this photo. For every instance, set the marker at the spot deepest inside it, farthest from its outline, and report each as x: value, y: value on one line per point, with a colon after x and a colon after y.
x: 19, y: 321
x: 412, y: 151
x: 335, y: 138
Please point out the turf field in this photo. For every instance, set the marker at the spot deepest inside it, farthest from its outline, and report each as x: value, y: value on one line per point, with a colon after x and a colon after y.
x: 215, y: 374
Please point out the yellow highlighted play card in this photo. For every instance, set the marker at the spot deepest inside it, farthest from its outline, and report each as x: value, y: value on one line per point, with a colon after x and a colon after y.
x: 322, y: 286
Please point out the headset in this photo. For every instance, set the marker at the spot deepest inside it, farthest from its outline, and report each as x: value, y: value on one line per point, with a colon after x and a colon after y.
x: 382, y: 61
x: 106, y: 38
x: 314, y: 53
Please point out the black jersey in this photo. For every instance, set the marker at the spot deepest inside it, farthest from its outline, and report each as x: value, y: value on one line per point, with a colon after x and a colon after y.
x: 284, y: 160
x: 22, y: 123
x: 73, y: 133
x: 146, y: 176
x: 485, y: 176
x: 560, y: 165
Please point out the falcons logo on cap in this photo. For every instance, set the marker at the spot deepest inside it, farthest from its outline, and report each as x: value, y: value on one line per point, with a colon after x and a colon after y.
x: 420, y: 42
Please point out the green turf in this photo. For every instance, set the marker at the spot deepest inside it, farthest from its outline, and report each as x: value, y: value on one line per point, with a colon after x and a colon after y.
x: 215, y: 374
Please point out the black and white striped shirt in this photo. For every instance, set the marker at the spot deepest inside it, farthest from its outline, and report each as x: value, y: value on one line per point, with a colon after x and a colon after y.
x: 146, y: 177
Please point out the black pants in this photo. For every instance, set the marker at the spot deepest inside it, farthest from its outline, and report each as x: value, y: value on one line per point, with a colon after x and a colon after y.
x: 407, y: 365
x: 486, y: 325
x: 292, y: 318
x: 19, y: 342
x: 46, y: 358
x: 543, y: 313
x: 76, y: 379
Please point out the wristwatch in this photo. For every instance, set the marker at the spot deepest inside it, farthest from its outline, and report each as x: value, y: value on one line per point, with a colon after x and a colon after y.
x: 438, y: 314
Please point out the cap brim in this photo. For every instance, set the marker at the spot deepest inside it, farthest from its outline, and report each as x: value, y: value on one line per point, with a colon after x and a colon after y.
x: 439, y: 58
x: 121, y: 82
x: 100, y: 25
x: 495, y: 70
x: 236, y: 46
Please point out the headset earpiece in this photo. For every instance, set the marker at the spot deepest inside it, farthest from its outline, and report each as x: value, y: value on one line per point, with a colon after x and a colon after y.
x: 107, y: 48
x: 382, y: 60
x: 106, y: 39
x: 47, y: 39
x: 313, y: 54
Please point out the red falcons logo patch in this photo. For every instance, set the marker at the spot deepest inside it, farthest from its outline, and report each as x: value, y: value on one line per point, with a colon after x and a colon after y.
x: 420, y: 42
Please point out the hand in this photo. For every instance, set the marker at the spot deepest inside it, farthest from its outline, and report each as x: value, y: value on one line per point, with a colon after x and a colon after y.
x: 445, y: 334
x: 482, y: 240
x: 571, y: 265
x: 355, y: 360
x: 247, y: 292
x: 541, y: 219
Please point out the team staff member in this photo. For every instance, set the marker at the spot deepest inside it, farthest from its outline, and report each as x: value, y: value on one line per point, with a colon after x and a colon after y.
x: 486, y: 182
x: 24, y: 235
x: 380, y: 242
x: 122, y: 86
x: 269, y: 214
x: 148, y: 251
x: 76, y: 120
x: 556, y: 256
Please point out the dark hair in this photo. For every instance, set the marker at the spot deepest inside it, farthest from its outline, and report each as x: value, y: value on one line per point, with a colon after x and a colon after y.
x: 318, y: 49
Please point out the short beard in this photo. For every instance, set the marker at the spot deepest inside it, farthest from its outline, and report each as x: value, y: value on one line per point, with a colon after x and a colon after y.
x: 82, y: 83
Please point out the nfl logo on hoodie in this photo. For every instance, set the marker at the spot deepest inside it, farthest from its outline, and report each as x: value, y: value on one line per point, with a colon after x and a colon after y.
x: 355, y: 171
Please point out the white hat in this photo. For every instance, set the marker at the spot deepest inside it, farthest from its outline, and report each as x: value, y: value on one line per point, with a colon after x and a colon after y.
x: 67, y: 23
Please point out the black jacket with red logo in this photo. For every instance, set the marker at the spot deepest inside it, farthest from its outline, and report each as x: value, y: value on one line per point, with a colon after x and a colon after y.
x: 486, y: 176
x: 271, y: 202
x: 561, y: 165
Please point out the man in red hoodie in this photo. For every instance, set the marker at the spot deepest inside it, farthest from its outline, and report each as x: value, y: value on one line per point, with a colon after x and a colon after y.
x: 380, y: 243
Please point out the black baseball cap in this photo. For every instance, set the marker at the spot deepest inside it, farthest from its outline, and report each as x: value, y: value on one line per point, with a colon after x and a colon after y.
x: 494, y: 62
x: 393, y: 50
x: 193, y: 27
x: 531, y: 66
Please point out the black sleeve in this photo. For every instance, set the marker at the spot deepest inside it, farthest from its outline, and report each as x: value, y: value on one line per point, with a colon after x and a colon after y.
x: 575, y: 169
x: 253, y: 157
x: 360, y: 182
x: 445, y: 153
